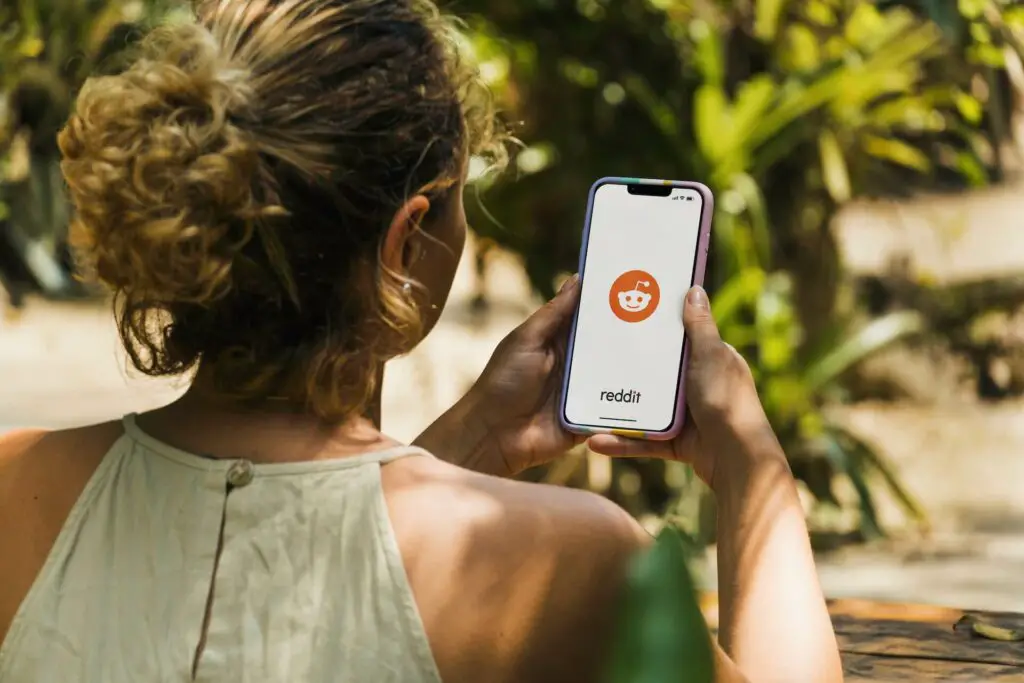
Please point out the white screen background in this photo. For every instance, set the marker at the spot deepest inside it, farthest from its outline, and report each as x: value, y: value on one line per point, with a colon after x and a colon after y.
x: 633, y: 232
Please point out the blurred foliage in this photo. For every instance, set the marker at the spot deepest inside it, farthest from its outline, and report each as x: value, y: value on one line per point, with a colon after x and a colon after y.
x: 661, y: 633
x: 47, y: 50
x: 788, y: 109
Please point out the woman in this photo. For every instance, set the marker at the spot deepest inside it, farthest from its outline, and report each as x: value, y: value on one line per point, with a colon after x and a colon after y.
x: 274, y: 194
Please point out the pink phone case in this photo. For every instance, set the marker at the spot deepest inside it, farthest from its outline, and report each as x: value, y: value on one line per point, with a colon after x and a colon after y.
x: 700, y: 264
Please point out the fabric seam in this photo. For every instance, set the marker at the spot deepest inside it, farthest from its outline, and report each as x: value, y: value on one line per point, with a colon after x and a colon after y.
x: 168, y: 452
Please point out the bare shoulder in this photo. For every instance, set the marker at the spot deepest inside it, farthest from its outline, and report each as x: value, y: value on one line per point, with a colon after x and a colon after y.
x: 511, y: 515
x: 42, y: 473
x: 36, y: 457
x: 526, y: 573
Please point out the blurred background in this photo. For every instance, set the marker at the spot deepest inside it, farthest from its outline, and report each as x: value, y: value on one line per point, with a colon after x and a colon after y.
x: 868, y: 260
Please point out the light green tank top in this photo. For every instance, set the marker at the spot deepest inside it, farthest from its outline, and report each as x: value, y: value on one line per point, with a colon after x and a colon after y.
x: 308, y: 585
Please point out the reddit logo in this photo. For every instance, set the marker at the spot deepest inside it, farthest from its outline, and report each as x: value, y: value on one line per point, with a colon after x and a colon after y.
x: 634, y: 296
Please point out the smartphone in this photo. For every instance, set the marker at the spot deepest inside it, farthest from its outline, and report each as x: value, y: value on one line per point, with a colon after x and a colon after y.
x: 645, y: 243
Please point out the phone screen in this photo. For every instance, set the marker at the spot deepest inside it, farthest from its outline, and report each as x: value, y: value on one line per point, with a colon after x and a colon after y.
x: 627, y: 354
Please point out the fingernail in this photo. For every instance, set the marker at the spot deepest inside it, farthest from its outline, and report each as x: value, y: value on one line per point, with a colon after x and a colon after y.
x: 569, y: 283
x: 697, y: 297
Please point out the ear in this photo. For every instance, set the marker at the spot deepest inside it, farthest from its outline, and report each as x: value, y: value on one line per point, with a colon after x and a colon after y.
x: 399, y: 249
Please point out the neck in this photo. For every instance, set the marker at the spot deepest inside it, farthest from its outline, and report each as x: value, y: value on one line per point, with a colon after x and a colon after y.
x: 202, y: 392
x: 373, y: 411
x: 271, y: 430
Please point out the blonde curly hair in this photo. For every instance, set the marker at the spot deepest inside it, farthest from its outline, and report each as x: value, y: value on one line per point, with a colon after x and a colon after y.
x: 233, y: 184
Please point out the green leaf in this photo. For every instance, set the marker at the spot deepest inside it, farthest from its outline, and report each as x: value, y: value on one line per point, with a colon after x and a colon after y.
x: 776, y: 324
x: 755, y: 210
x: 833, y: 166
x: 820, y: 13
x: 903, y: 44
x: 834, y: 48
x: 811, y: 423
x: 894, y: 67
x: 969, y: 107
x: 776, y: 352
x: 1014, y: 18
x: 580, y: 74
x: 871, y: 457
x: 971, y: 168
x: 712, y: 122
x: 899, y: 21
x: 971, y: 9
x: 800, y: 52
x: 897, y: 152
x: 986, y: 55
x: 709, y: 53
x: 785, y: 396
x: 661, y: 635
x: 767, y: 14
x: 753, y: 98
x: 847, y: 463
x: 794, y: 104
x: 31, y: 47
x: 873, y: 337
x: 738, y: 291
x: 913, y: 113
x: 994, y: 632
x: 981, y: 33
x: 864, y: 25
x: 741, y: 337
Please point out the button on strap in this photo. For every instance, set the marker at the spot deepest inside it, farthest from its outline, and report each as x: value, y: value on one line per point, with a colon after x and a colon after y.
x: 241, y: 473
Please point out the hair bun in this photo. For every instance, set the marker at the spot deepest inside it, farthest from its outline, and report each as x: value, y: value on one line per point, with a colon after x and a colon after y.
x: 160, y: 174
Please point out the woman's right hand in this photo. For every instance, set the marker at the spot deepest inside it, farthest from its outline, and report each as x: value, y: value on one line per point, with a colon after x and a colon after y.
x: 726, y: 430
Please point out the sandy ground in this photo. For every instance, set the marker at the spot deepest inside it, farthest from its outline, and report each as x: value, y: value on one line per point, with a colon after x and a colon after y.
x: 60, y: 365
x: 948, y: 239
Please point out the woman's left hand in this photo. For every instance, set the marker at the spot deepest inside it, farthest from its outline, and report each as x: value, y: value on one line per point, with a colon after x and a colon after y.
x: 508, y: 421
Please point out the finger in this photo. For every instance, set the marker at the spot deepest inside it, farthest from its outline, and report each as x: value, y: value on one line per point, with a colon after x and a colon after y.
x: 719, y: 383
x: 553, y: 316
x: 621, y: 447
x: 699, y: 323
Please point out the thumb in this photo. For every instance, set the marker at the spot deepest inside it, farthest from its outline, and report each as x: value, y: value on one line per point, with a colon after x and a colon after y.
x: 553, y: 316
x: 719, y: 383
x: 699, y: 324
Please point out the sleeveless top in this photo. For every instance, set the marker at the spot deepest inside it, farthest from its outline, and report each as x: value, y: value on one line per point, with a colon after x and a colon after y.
x: 298, y: 563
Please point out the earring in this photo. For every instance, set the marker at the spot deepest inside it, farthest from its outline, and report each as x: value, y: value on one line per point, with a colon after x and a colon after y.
x: 407, y: 289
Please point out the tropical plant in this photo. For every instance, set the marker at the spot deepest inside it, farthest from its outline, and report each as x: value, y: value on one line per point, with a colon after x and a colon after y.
x: 987, y: 41
x: 662, y: 636
x: 788, y: 109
